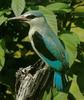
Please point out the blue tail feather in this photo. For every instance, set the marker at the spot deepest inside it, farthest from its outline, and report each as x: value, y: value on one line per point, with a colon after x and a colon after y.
x: 58, y: 82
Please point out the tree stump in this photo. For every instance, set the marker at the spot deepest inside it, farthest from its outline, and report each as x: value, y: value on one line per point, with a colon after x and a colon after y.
x: 31, y: 81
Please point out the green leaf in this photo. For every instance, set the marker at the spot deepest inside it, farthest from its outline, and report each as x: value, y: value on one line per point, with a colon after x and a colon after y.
x: 59, y: 7
x: 47, y: 95
x: 18, y: 6
x: 2, y: 53
x: 5, y: 11
x: 79, y: 31
x: 74, y: 89
x: 54, y: 92
x: 50, y: 17
x: 70, y: 41
x: 2, y: 19
x: 79, y: 9
x: 61, y: 96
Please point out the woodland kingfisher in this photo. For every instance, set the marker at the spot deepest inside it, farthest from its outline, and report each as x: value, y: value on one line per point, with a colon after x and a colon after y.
x: 47, y: 45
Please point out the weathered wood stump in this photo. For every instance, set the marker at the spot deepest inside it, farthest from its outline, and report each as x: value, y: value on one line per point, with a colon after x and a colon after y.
x: 31, y: 81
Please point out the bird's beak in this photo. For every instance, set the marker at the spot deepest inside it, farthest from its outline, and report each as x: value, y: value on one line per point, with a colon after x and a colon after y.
x: 21, y: 18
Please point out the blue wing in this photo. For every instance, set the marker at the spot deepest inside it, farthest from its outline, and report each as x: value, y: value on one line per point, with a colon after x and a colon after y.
x: 54, y: 45
x: 50, y: 50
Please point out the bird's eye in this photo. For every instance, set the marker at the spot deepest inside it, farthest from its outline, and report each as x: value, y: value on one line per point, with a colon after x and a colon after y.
x: 30, y: 16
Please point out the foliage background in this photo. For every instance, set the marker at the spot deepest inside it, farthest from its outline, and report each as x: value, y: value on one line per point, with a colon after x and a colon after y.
x: 65, y: 17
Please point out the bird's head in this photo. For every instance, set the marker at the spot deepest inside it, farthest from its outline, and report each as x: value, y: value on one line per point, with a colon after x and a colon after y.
x: 31, y: 17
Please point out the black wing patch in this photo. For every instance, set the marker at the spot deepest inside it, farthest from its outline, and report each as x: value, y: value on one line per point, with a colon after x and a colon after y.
x: 41, y: 47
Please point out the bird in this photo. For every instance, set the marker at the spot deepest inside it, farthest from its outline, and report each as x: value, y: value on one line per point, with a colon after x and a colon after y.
x: 47, y: 45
